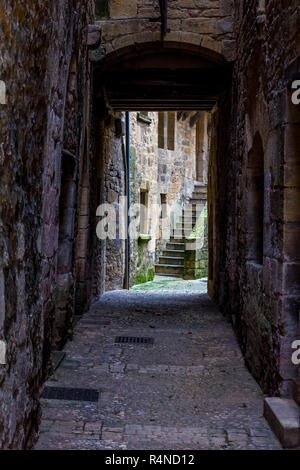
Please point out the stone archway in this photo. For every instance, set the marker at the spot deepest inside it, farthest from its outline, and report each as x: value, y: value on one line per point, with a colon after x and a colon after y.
x: 132, y: 23
x: 158, y: 75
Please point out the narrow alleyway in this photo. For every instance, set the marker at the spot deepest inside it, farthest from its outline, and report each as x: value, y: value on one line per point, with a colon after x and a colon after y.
x: 188, y: 390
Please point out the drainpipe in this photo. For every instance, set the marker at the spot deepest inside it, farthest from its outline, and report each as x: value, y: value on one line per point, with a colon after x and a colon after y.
x: 127, y: 183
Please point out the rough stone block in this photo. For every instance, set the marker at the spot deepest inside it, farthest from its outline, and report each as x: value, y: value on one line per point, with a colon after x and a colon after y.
x: 292, y: 174
x: 200, y: 25
x: 211, y: 44
x: 270, y: 276
x: 94, y: 35
x: 292, y: 143
x: 207, y: 4
x: 123, y: 8
x: 291, y: 246
x: 229, y: 50
x: 276, y: 204
x: 284, y: 418
x: 225, y: 25
x: 226, y: 7
x: 291, y: 278
x: 291, y: 205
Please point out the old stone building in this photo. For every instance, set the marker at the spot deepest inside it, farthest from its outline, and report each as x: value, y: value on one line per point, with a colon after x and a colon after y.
x: 168, y: 159
x: 70, y: 72
x: 169, y: 155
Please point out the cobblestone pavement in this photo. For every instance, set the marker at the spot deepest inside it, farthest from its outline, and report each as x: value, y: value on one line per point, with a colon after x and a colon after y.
x: 189, y: 390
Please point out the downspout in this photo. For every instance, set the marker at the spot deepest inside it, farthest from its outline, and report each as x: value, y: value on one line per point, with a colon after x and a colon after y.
x: 126, y: 155
x: 128, y: 194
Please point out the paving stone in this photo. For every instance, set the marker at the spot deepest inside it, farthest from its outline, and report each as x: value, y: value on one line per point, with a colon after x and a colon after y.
x: 190, y: 390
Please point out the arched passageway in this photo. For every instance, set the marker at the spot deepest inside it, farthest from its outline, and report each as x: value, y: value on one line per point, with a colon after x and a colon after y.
x: 69, y: 71
x: 167, y: 76
x: 173, y: 77
x: 154, y: 76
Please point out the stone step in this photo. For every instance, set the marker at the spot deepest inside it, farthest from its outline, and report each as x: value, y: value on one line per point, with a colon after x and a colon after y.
x: 199, y: 190
x: 169, y: 275
x: 185, y: 225
x: 180, y: 233
x: 175, y: 246
x: 173, y: 253
x: 187, y: 218
x: 167, y: 260
x: 177, y: 240
x: 196, y: 212
x: 198, y: 200
x: 191, y: 207
x: 169, y: 269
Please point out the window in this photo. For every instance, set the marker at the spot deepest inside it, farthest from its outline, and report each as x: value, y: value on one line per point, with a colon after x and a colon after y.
x: 171, y: 131
x: 144, y: 212
x: 163, y: 204
x: 166, y: 130
x: 161, y: 130
x: 255, y: 202
x: 102, y: 9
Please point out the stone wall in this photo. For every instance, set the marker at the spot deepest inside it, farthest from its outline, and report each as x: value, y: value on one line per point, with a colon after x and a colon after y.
x: 144, y: 170
x: 202, y: 22
x: 35, y: 53
x: 113, y: 189
x: 259, y: 291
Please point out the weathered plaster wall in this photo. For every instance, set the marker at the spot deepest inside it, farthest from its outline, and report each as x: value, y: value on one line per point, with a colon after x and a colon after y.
x: 35, y: 57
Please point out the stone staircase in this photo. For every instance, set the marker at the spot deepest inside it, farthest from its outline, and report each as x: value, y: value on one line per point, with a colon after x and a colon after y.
x: 171, y: 262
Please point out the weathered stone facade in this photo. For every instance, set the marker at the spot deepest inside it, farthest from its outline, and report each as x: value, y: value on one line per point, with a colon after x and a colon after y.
x: 255, y: 273
x: 113, y: 175
x: 35, y: 56
x: 208, y: 23
x: 252, y: 195
x: 62, y: 154
x: 163, y: 169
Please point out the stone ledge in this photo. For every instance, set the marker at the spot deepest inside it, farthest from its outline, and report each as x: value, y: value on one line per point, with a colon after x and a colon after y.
x: 144, y: 237
x: 144, y: 118
x: 283, y: 416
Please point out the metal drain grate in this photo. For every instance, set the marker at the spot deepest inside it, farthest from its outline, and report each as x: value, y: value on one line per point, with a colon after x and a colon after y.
x: 133, y: 340
x: 72, y: 394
